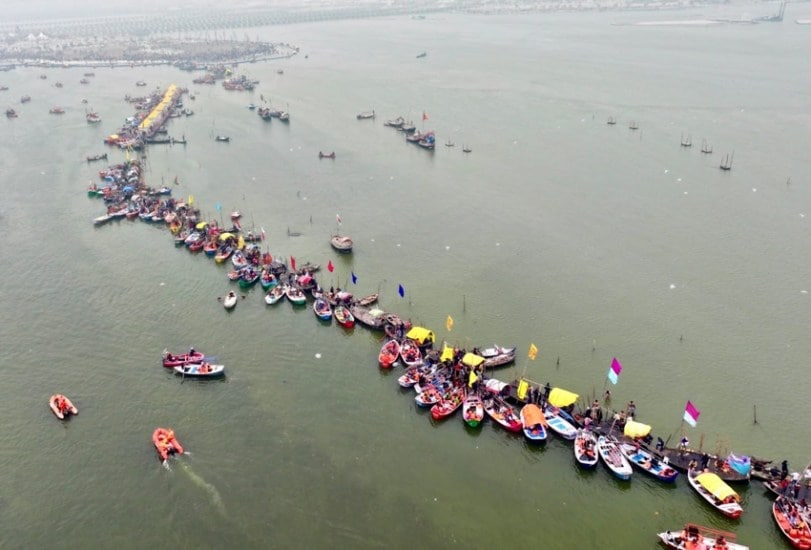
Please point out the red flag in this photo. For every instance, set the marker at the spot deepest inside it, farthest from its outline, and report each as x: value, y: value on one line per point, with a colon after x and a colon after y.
x: 424, y: 115
x: 267, y: 259
x: 293, y: 263
x: 330, y: 267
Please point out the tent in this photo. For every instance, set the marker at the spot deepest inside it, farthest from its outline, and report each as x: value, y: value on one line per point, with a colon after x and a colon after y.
x: 472, y: 360
x: 559, y: 397
x: 420, y: 335
x: 716, y: 486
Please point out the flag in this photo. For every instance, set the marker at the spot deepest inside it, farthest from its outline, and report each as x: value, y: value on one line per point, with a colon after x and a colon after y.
x: 471, y: 379
x: 241, y: 242
x: 354, y: 278
x: 264, y: 235
x: 338, y: 218
x: 267, y: 259
x: 401, y: 291
x: 424, y: 115
x: 614, y: 371
x: 449, y: 323
x: 741, y: 464
x: 691, y: 414
x: 330, y: 267
x: 521, y: 392
x: 533, y: 351
x: 293, y: 263
x: 218, y: 207
x: 191, y: 200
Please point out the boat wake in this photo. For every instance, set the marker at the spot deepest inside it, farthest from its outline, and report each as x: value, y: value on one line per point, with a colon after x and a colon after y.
x: 213, y: 493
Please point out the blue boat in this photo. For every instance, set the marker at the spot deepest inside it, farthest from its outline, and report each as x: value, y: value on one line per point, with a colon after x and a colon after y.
x: 534, y: 424
x: 645, y: 461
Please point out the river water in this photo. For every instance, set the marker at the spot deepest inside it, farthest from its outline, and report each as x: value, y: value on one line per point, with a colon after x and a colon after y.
x: 591, y: 241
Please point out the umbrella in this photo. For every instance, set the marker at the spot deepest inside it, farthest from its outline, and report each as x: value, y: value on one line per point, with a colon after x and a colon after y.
x: 226, y: 236
x: 561, y: 398
x: 128, y: 189
x: 201, y: 225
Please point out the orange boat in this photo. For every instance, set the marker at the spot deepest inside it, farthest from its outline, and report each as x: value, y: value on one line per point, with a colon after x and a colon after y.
x: 388, y: 354
x: 165, y: 443
x: 62, y: 406
x: 791, y: 523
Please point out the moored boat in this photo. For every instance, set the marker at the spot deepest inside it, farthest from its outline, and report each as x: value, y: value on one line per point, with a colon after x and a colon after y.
x: 323, y: 155
x: 410, y: 353
x: 646, y: 462
x: 343, y: 316
x: 694, y: 537
x: 165, y: 443
x: 533, y: 422
x: 341, y: 243
x: 389, y: 353
x: 473, y: 409
x: 173, y: 360
x: 366, y: 115
x: 295, y: 295
x: 201, y: 370
x: 61, y: 406
x: 613, y: 458
x: 717, y: 493
x: 791, y: 523
x: 497, y: 356
x: 558, y: 424
x: 497, y: 409
x: 448, y: 404
x: 275, y: 294
x: 230, y: 300
x: 322, y: 309
x: 585, y: 449
x: 373, y: 318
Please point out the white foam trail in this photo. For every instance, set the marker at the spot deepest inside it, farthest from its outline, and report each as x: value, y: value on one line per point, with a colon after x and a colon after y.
x: 212, y: 491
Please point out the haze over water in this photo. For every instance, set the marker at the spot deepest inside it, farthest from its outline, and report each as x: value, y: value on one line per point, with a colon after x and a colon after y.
x: 592, y: 241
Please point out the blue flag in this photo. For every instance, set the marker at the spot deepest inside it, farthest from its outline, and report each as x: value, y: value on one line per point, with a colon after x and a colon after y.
x: 401, y: 291
x: 354, y: 278
x: 218, y: 206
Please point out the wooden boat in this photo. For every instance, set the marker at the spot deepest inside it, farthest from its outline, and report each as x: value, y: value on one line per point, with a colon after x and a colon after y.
x: 388, y: 354
x: 222, y: 138
x: 343, y: 316
x: 717, y: 493
x: 686, y: 142
x: 165, y: 443
x: 473, y: 409
x: 694, y: 537
x: 414, y: 375
x: 428, y: 141
x: 97, y: 157
x: 410, y: 353
x: 791, y: 523
x: 11, y: 113
x: 341, y: 243
x: 366, y: 115
x: 680, y: 459
x: 706, y: 148
x: 93, y: 118
x: 533, y: 422
x: 372, y: 318
x: 497, y: 409
x: 613, y: 458
x: 611, y: 121
x: 423, y: 54
x: 395, y: 123
x: 197, y: 245
x: 448, y: 404
x: 726, y: 163
x: 173, y: 360
x: 295, y: 295
x: 633, y: 125
x: 322, y: 309
x: 223, y: 254
x: 268, y: 280
x: 210, y: 248
x: 101, y: 220
x: 648, y: 463
x: 326, y: 155
x: 585, y: 449
x: 466, y: 149
x: 201, y: 370
x: 61, y: 406
x: 367, y: 300
x: 57, y: 111
x: 248, y: 278
x: 558, y: 424
x: 497, y: 356
x: 230, y: 300
x: 275, y: 294
x: 428, y: 397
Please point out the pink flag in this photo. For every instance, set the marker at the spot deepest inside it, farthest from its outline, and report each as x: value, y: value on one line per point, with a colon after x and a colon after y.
x: 691, y: 414
x: 264, y: 235
x: 293, y: 263
x: 614, y: 371
x: 330, y: 267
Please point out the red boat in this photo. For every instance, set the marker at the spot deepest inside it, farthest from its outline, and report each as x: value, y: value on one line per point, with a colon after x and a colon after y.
x: 326, y: 155
x: 448, y: 404
x: 503, y: 413
x: 343, y: 316
x: 389, y: 354
x: 791, y: 523
x: 173, y: 360
x: 165, y: 443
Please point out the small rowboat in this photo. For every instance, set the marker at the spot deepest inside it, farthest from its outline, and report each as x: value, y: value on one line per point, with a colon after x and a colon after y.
x: 410, y: 353
x: 165, y: 443
x: 322, y: 309
x: 341, y: 243
x: 223, y: 254
x: 693, y: 537
x: 448, y: 404
x: 415, y: 374
x: 533, y: 423
x: 268, y: 280
x: 202, y: 370
x: 503, y: 414
x: 344, y: 317
x: 585, y: 453
x: 388, y: 354
x: 275, y: 294
x: 497, y: 356
x: 230, y: 300
x: 61, y: 406
x: 613, y: 458
x: 648, y: 463
x: 558, y: 424
x: 473, y: 410
x: 717, y: 493
x: 429, y: 397
x: 791, y: 523
x: 367, y: 300
x: 248, y: 278
x: 210, y: 248
x: 295, y: 295
x: 173, y: 360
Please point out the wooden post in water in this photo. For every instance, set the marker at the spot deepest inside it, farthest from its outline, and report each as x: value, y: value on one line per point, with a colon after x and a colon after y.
x: 464, y: 302
x: 701, y: 443
x: 754, y: 408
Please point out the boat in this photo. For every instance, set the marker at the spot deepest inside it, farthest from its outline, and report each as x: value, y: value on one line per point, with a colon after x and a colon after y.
x: 389, y: 353
x: 693, y: 537
x: 275, y: 294
x: 251, y: 106
x: 611, y: 121
x: 165, y: 443
x: 210, y: 248
x: 222, y: 138
x: 341, y: 243
x: 373, y: 318
x: 223, y: 254
x: 502, y: 413
x: 428, y: 397
x: 201, y: 370
x: 428, y: 141
x: 61, y: 406
x: 395, y: 123
x: 173, y: 360
x: 322, y: 309
x: 248, y: 278
x: 94, y: 158
x: 57, y: 111
x: 230, y: 300
x: 140, y: 83
x: 648, y: 463
x: 686, y: 142
x: 585, y: 449
x: 326, y: 155
x: 466, y: 149
x: 100, y: 220
x: 706, y: 148
x: 680, y: 459
x: 410, y: 353
x: 496, y: 356
x: 366, y: 115
x: 280, y: 71
x: 295, y: 295
x: 343, y: 316
x: 93, y: 118
x: 420, y: 55
x: 448, y: 404
x: 717, y: 493
x: 558, y: 424
x: 267, y: 279
x: 11, y: 113
x: 25, y: 99
x: 533, y: 422
x: 726, y: 163
x: 633, y: 125
x: 473, y: 409
x: 791, y: 523
x: 613, y: 458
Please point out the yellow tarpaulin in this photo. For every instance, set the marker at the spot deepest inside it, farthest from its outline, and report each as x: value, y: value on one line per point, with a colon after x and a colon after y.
x: 226, y: 236
x: 521, y: 392
x: 716, y: 486
x: 447, y: 353
x: 471, y: 379
x: 201, y: 225
x: 420, y: 335
x: 472, y: 360
x: 559, y: 397
x: 241, y: 243
x: 636, y: 429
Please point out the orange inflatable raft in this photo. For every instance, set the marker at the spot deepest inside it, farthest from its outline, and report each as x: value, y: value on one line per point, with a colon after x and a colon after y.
x: 165, y: 443
x: 62, y: 406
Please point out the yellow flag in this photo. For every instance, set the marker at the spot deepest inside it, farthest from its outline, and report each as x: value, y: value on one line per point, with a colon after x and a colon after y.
x: 449, y: 323
x: 241, y: 243
x: 533, y: 351
x: 521, y: 392
x: 471, y: 379
x: 191, y: 200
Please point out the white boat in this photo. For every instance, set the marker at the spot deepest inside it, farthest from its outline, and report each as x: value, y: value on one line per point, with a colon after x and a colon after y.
x: 341, y: 243
x: 202, y: 370
x: 230, y: 300
x: 585, y: 449
x: 295, y: 295
x: 473, y: 409
x: 697, y: 536
x: 558, y: 424
x: 275, y: 294
x: 717, y: 493
x: 533, y: 422
x: 497, y: 356
x: 612, y: 457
